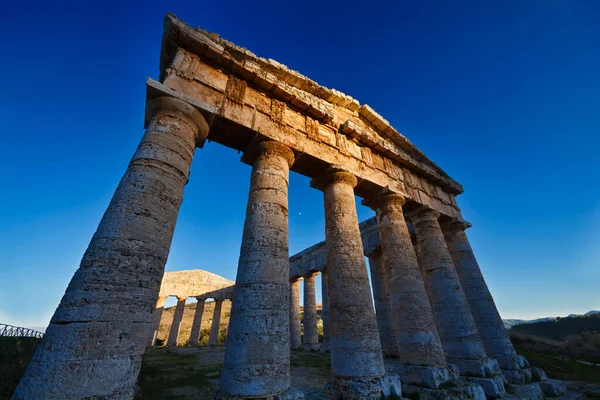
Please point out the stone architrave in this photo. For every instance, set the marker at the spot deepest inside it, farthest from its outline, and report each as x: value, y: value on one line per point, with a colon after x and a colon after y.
x: 385, y: 324
x: 113, y: 293
x: 213, y: 339
x: 489, y: 323
x: 456, y: 327
x: 356, y: 357
x: 257, y: 355
x: 156, y: 317
x: 197, y: 323
x: 311, y: 334
x: 295, y: 336
x: 176, y: 324
x: 420, y: 351
x: 325, y: 346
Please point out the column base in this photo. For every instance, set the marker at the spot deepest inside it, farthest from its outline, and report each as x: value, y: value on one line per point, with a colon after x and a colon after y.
x: 486, y: 368
x: 290, y: 394
x: 324, y: 348
x: 368, y: 388
x: 427, y: 376
x: 530, y: 391
x: 460, y: 391
x: 310, y: 347
x: 493, y: 387
x: 518, y: 376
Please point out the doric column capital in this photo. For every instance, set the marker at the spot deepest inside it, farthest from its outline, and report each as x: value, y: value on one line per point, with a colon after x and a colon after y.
x: 374, y: 253
x: 386, y: 198
x: 423, y: 214
x: 165, y: 104
x: 334, y: 174
x: 269, y: 147
x: 310, y: 275
x: 181, y: 298
x: 201, y: 299
x: 451, y: 227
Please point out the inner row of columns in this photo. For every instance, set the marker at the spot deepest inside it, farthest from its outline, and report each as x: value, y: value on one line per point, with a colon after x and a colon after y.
x: 174, y: 335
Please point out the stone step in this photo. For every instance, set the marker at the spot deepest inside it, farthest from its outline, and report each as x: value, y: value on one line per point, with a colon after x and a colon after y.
x: 553, y: 387
x: 531, y: 391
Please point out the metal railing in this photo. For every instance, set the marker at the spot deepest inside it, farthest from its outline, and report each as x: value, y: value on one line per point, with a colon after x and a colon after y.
x: 18, y: 331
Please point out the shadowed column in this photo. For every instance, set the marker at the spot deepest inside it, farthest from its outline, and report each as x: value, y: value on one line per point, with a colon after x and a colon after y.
x: 311, y: 334
x: 197, y: 323
x: 489, y: 323
x: 325, y: 346
x: 295, y: 336
x: 156, y: 317
x: 213, y: 339
x: 456, y: 327
x: 383, y: 314
x: 94, y: 343
x: 356, y: 357
x: 177, y: 318
x: 257, y: 355
x: 420, y: 352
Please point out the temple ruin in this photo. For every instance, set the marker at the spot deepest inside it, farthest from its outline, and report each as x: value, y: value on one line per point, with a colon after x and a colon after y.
x: 434, y: 313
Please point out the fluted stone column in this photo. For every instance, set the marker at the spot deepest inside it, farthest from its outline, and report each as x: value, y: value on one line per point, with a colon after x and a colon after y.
x: 456, y: 327
x: 156, y: 317
x: 94, y: 343
x: 197, y: 323
x: 356, y: 357
x: 420, y: 352
x: 311, y: 334
x: 295, y: 336
x: 177, y: 318
x: 213, y: 339
x: 489, y: 323
x: 325, y: 346
x: 257, y: 355
x: 387, y: 335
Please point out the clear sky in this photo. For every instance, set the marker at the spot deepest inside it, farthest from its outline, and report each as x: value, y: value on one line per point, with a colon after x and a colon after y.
x: 503, y: 94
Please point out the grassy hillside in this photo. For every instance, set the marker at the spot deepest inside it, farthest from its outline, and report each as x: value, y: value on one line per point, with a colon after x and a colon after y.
x: 560, y: 329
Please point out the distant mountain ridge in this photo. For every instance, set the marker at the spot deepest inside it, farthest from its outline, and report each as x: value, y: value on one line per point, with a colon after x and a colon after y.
x: 509, y: 323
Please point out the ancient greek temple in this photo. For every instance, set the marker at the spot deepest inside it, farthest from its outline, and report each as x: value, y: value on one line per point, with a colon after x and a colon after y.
x: 433, y: 314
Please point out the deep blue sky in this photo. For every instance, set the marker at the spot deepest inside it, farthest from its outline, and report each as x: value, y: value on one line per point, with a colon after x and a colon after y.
x: 503, y: 94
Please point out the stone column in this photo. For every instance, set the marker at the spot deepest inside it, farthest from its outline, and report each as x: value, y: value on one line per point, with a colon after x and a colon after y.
x: 295, y: 337
x: 94, y: 343
x: 177, y: 317
x: 420, y: 352
x: 387, y: 336
x: 489, y: 323
x: 311, y: 334
x: 325, y: 346
x: 356, y: 357
x: 257, y: 355
x: 456, y: 327
x: 156, y: 317
x: 213, y: 339
x: 197, y: 323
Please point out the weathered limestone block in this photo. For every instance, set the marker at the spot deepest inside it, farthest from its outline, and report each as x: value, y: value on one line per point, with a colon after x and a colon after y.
x: 213, y: 339
x: 257, y: 355
x: 325, y: 346
x: 177, y: 318
x: 356, y: 357
x: 94, y: 343
x: 420, y: 350
x: 489, y: 323
x: 456, y: 327
x: 295, y: 336
x: 385, y: 325
x: 156, y: 317
x: 461, y: 391
x: 311, y: 334
x: 553, y: 387
x: 197, y: 323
